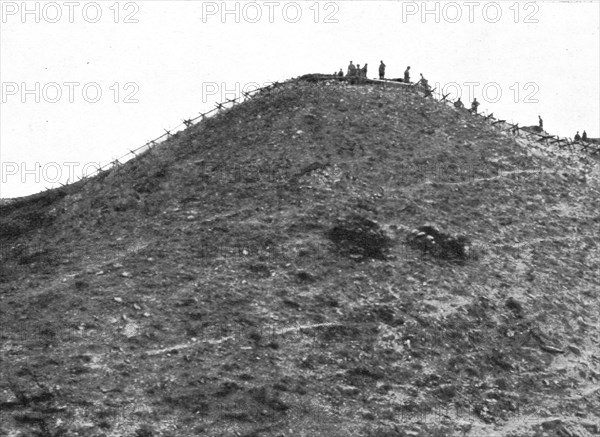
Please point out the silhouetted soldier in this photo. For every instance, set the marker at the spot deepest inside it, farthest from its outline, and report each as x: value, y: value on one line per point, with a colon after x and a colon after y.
x: 541, y: 123
x: 340, y: 73
x: 407, y: 75
x: 351, y: 73
x: 381, y: 70
x: 474, y: 105
x: 459, y: 104
x: 351, y: 70
x: 577, y: 137
x: 584, y: 136
x: 358, y: 74
x: 364, y: 71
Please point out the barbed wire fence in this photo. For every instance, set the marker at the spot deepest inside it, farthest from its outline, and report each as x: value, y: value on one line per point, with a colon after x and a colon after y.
x: 499, y: 124
x: 169, y: 133
x: 505, y: 126
x: 186, y: 123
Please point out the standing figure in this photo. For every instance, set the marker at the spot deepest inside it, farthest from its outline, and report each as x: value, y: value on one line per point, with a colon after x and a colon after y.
x: 351, y: 70
x: 351, y: 73
x: 381, y: 70
x: 577, y: 137
x: 364, y: 71
x: 407, y: 75
x: 584, y: 136
x: 340, y: 73
x: 474, y: 105
x: 541, y: 123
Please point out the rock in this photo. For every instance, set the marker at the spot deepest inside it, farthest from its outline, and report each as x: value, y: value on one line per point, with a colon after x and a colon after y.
x: 348, y: 390
x: 130, y: 330
x: 7, y: 397
x: 304, y: 276
x: 551, y: 423
x: 118, y: 299
x: 30, y: 417
x: 591, y: 427
x: 429, y: 239
x: 464, y: 426
x: 551, y: 349
x: 515, y: 306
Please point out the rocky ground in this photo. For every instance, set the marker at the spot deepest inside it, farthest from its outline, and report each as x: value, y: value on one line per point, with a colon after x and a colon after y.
x: 252, y: 277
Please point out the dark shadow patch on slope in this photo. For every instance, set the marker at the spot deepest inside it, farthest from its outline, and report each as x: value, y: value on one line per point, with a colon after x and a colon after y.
x: 360, y: 238
x: 28, y: 214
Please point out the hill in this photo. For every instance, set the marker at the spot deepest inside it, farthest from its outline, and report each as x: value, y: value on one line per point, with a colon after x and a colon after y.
x: 220, y: 283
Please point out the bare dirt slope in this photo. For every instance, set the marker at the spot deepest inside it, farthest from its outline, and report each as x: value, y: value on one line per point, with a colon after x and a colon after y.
x: 196, y: 289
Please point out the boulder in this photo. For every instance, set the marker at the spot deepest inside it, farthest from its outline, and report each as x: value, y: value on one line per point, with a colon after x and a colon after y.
x: 428, y: 239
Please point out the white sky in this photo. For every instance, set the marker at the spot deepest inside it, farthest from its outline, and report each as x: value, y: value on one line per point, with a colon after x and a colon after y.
x: 180, y: 57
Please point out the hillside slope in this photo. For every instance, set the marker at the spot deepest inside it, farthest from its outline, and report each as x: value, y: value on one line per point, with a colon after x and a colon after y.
x: 195, y: 290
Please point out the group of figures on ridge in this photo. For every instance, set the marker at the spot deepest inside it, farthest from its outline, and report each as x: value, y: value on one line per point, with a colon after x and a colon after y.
x: 357, y: 74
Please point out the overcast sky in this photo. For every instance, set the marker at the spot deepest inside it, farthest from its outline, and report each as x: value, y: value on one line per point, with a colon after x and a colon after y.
x: 84, y: 82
